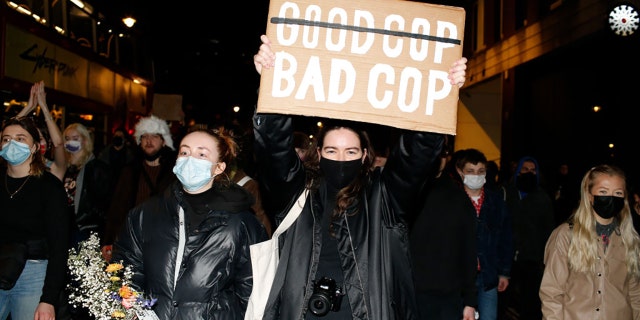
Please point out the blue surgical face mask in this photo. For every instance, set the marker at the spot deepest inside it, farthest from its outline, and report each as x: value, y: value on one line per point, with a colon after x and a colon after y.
x: 193, y: 173
x: 73, y: 146
x: 15, y: 152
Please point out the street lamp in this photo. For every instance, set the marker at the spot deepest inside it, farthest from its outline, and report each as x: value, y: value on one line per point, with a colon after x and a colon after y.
x: 129, y: 21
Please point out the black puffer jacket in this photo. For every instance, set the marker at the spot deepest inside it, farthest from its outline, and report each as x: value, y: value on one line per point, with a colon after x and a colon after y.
x: 215, y: 278
x: 373, y: 244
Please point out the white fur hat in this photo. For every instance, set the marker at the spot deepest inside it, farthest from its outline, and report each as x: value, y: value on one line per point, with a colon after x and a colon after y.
x: 154, y: 125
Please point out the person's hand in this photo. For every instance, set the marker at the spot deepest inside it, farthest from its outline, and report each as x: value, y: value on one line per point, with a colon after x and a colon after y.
x: 457, y: 72
x: 106, y: 252
x: 31, y: 104
x: 41, y: 96
x: 265, y: 58
x: 503, y: 283
x: 44, y: 311
x: 469, y: 313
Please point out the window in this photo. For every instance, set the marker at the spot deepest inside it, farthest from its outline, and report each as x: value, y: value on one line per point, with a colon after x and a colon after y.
x: 477, y: 22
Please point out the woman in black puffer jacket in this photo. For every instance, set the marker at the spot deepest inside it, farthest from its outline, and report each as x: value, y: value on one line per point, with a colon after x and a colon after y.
x: 189, y: 247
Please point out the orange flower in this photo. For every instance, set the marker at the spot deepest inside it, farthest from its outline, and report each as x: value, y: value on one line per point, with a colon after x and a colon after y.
x: 114, y: 267
x: 126, y: 292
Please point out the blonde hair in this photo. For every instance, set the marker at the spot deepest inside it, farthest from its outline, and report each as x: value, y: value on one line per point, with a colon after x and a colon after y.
x: 583, y: 251
x: 87, y: 144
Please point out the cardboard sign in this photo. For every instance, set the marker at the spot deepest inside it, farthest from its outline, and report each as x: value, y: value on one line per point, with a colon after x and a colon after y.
x: 385, y: 62
x: 168, y: 106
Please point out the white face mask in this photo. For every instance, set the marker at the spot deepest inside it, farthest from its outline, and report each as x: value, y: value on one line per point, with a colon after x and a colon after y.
x: 473, y: 181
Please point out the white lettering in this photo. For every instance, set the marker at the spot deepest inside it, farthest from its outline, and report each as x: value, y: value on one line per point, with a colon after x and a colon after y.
x: 419, y: 26
x: 312, y: 78
x: 409, y: 75
x: 432, y: 94
x: 386, y: 44
x: 341, y: 15
x: 281, y: 75
x: 440, y: 46
x: 372, y: 88
x: 339, y: 67
x: 293, y: 28
x: 313, y: 13
x: 355, y: 41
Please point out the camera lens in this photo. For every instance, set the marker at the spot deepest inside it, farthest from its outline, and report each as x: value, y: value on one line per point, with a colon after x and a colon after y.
x: 320, y: 305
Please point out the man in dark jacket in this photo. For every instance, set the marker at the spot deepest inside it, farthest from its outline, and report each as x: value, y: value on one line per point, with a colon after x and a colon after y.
x: 147, y: 176
x: 443, y: 249
x: 531, y: 209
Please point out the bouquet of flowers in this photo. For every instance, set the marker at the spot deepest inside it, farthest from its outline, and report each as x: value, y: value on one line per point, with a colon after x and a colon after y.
x: 103, y: 289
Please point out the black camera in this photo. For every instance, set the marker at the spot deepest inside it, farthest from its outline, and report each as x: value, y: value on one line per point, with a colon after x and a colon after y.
x: 327, y: 296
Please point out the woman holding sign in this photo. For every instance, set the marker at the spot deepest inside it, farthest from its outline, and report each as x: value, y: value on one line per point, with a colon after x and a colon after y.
x: 346, y: 256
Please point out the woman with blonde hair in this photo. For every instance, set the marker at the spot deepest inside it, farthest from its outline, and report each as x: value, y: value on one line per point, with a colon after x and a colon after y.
x: 86, y: 181
x: 592, y: 262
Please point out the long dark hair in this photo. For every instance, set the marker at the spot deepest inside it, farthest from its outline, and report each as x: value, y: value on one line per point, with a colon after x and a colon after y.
x: 37, y: 166
x: 348, y: 195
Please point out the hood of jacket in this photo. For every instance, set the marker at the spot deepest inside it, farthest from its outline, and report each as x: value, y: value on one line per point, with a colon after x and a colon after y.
x: 520, y: 163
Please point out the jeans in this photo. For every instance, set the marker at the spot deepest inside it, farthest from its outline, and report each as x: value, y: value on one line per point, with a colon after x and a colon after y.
x: 23, y: 299
x: 487, y: 301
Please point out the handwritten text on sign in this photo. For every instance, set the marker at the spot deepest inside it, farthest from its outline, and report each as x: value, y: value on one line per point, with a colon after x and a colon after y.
x: 337, y: 60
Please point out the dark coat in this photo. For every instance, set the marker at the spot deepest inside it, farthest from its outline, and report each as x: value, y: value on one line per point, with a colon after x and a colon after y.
x: 443, y: 243
x: 215, y: 277
x: 95, y: 197
x: 373, y: 244
x: 126, y: 190
x: 495, y: 239
x: 533, y: 222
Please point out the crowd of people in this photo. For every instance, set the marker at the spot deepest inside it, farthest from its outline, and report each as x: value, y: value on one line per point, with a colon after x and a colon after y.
x: 408, y: 232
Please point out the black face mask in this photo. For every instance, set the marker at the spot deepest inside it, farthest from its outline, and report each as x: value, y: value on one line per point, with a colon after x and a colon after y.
x: 527, y: 182
x: 607, y: 206
x: 340, y: 174
x: 117, y: 141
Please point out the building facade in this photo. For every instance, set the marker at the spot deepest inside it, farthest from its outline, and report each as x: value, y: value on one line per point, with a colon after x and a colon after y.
x: 87, y: 64
x: 550, y: 79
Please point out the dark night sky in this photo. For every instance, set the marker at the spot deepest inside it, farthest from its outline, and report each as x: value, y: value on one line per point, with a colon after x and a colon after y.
x: 204, y: 53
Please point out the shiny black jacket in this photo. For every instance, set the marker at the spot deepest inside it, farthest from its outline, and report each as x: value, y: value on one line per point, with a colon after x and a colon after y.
x: 373, y: 244
x: 215, y: 278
